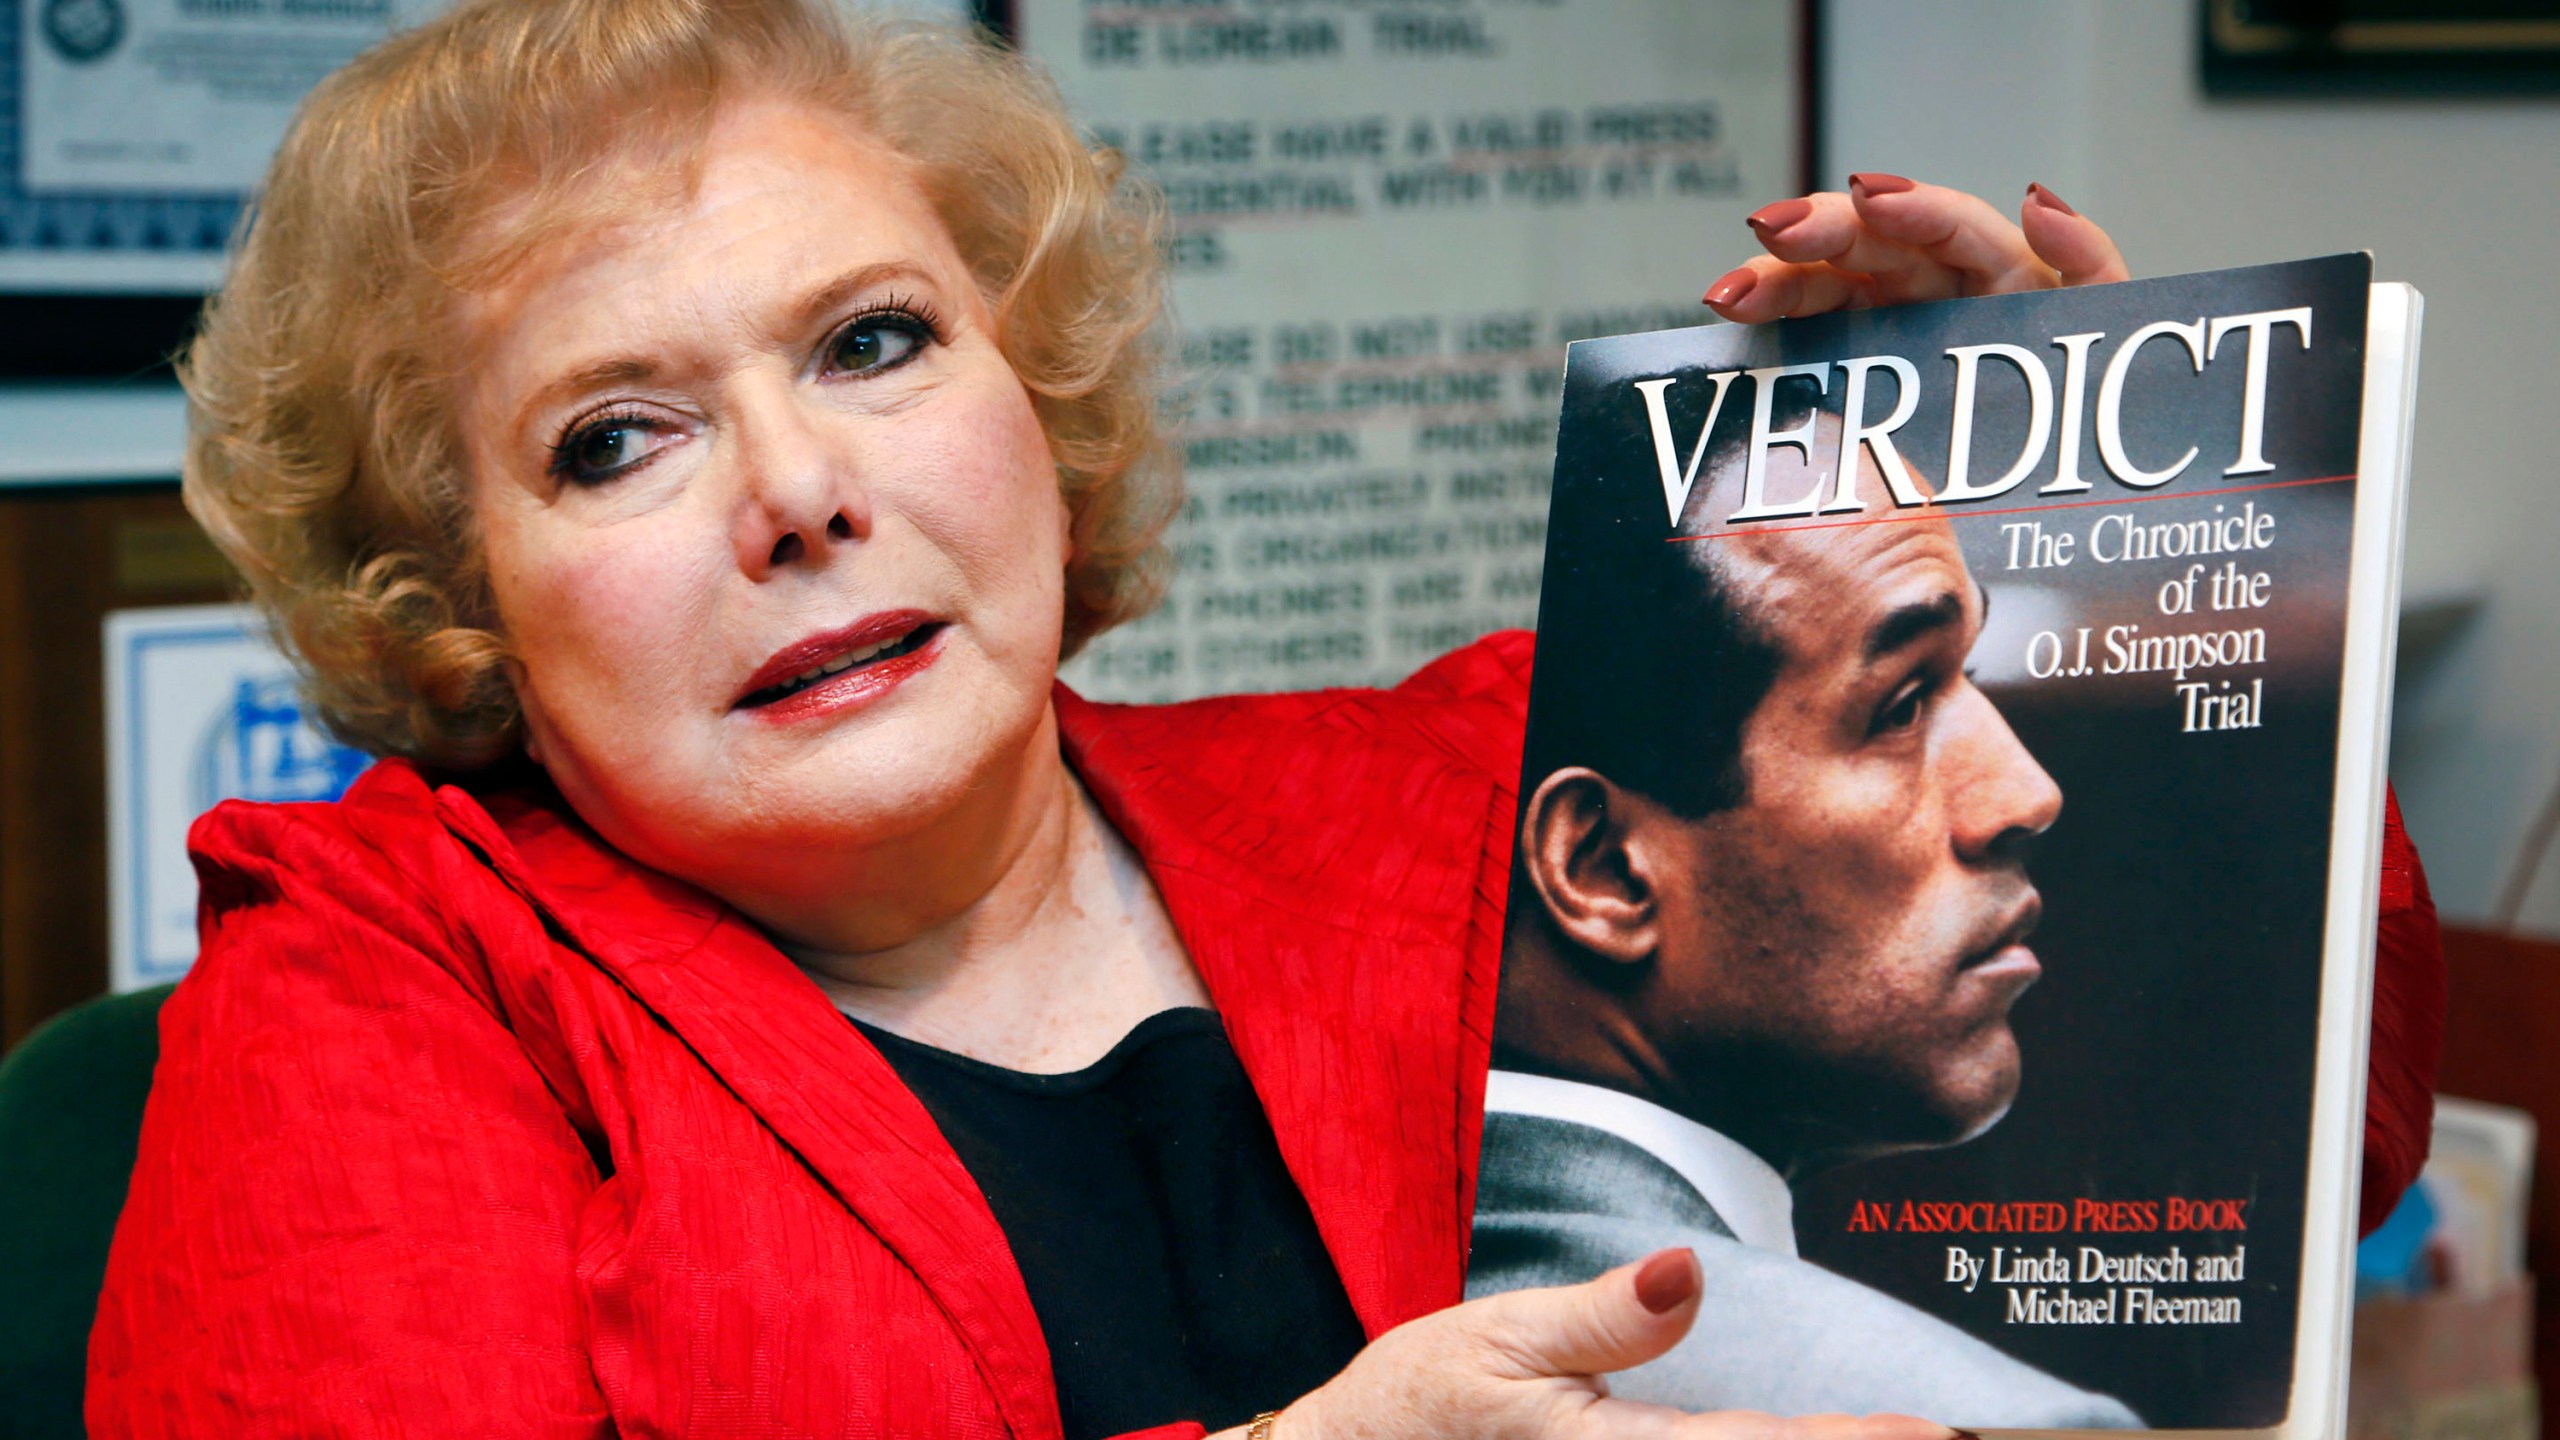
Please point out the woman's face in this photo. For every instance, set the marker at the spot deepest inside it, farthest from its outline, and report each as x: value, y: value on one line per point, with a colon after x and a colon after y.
x: 774, y: 534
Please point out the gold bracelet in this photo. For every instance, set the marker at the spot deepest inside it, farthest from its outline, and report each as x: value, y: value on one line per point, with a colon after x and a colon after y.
x: 1259, y: 1428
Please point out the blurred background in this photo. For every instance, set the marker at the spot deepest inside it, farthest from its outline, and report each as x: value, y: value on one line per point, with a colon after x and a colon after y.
x: 1389, y: 216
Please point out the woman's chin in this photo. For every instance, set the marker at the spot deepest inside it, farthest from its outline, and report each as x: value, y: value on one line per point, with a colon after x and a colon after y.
x: 874, y: 767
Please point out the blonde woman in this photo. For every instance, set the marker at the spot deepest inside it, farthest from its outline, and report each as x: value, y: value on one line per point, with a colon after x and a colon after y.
x: 751, y: 997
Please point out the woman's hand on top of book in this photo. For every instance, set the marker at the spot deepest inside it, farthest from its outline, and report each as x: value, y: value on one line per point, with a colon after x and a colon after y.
x: 1529, y: 1365
x: 1890, y: 240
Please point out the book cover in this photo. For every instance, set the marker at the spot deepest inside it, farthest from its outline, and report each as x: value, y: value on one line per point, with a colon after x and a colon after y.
x: 1944, y: 886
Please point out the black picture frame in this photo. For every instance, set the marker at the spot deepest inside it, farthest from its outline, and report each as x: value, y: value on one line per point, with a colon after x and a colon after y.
x: 112, y: 337
x: 2415, y: 48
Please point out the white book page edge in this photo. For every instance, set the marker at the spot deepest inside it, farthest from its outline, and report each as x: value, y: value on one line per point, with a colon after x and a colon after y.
x: 2355, y: 861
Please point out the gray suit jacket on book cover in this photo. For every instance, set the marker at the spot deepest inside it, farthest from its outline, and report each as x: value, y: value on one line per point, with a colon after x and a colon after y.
x: 1558, y: 1203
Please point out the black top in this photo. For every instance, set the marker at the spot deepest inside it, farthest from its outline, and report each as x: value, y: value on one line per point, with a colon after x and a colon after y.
x: 1173, y: 1264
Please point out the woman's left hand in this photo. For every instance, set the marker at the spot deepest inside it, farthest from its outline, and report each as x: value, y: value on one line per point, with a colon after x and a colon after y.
x: 1890, y: 240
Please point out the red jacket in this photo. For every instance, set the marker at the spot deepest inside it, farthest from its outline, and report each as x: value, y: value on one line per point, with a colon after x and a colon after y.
x: 464, y: 1124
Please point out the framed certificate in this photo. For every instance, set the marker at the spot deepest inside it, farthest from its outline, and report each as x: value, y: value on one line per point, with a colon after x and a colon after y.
x: 132, y: 130
x: 201, y: 708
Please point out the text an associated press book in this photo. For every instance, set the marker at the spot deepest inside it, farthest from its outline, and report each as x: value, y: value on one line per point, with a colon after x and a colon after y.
x: 1944, y: 891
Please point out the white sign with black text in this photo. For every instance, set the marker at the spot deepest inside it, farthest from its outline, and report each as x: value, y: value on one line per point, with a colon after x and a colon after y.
x: 1388, y: 223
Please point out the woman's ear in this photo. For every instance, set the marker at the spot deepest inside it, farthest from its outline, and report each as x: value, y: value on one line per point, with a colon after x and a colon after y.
x: 1574, y: 849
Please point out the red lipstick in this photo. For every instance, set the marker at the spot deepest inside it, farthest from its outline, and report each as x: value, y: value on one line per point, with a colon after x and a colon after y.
x: 884, y: 650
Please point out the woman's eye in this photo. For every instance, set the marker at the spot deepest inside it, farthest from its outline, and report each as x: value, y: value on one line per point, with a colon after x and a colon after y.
x: 876, y: 342
x: 599, y: 451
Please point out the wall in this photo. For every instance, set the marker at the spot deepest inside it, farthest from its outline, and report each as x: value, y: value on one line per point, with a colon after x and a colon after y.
x: 2461, y: 198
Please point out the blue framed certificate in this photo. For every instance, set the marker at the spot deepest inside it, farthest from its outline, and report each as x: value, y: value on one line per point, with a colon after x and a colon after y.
x: 201, y: 708
x: 131, y: 131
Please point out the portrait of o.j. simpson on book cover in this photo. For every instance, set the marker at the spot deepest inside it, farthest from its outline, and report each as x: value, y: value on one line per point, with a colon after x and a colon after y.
x: 1789, y: 860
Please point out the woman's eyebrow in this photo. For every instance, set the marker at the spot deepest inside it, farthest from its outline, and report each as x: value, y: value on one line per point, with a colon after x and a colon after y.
x: 836, y: 294
x: 617, y: 371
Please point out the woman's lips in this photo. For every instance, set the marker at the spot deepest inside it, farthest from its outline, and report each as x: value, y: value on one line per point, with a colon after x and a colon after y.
x: 802, y: 655
x: 843, y: 668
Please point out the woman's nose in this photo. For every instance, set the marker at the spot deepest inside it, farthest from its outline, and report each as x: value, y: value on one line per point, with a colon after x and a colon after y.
x: 801, y: 499
x: 793, y: 546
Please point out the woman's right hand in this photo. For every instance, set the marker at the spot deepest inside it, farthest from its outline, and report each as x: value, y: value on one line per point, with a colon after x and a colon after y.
x: 1531, y: 1364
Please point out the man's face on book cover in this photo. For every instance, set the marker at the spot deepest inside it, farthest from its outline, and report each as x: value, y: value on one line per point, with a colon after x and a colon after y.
x: 1859, y: 919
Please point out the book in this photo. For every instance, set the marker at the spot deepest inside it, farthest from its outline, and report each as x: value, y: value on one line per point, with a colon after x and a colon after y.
x: 2478, y: 1190
x: 1944, y: 892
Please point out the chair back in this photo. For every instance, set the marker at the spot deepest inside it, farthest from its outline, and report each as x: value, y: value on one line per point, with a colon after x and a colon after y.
x: 71, y: 1097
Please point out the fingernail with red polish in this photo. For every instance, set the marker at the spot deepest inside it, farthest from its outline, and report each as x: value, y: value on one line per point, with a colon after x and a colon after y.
x: 1770, y: 219
x: 1955, y: 1434
x: 2048, y: 199
x: 1667, y: 1281
x: 1871, y: 183
x: 1730, y: 289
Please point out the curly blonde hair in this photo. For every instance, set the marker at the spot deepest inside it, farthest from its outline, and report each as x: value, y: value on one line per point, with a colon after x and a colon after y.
x: 322, y: 456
